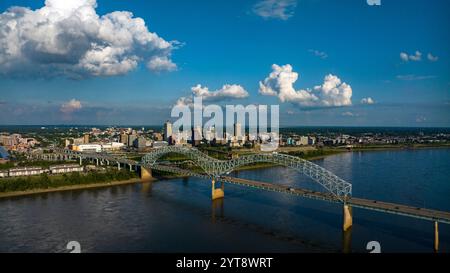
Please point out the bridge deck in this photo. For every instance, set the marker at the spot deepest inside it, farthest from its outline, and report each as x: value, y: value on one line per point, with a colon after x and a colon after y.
x: 421, y: 213
x: 392, y: 208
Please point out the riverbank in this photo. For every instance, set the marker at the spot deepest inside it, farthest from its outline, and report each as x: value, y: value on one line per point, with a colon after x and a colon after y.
x: 94, y: 185
x: 69, y: 188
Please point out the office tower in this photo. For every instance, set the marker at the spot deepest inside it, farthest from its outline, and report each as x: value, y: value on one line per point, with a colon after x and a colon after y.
x: 196, y: 136
x: 167, y: 130
x: 237, y: 131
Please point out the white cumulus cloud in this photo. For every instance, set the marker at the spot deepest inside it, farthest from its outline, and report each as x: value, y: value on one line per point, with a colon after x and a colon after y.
x: 280, y: 83
x: 69, y: 38
x: 275, y: 9
x: 416, y: 57
x: 228, y: 91
x: 367, y: 100
x: 432, y: 58
x: 71, y: 106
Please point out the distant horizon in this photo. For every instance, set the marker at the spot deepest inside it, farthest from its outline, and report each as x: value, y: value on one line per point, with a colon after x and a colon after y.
x: 281, y: 127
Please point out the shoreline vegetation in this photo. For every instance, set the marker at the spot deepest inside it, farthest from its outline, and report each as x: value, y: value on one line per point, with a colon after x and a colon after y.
x: 21, y: 186
x: 49, y: 183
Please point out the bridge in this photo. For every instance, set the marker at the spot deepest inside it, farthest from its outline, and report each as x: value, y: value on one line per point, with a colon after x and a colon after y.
x: 336, y: 190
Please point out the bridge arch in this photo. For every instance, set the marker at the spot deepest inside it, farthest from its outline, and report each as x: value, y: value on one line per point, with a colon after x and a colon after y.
x: 216, y: 168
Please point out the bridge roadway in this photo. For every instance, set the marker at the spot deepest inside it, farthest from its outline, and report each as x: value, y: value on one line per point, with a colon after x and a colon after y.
x: 392, y: 208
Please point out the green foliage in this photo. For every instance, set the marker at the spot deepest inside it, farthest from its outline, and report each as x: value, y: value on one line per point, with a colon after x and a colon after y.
x: 7, y: 165
x: 313, y: 153
x: 45, y: 181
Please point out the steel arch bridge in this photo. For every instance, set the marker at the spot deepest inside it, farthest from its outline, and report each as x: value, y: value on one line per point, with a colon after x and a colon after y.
x: 213, y: 167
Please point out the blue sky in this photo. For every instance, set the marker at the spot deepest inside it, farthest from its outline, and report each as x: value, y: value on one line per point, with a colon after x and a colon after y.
x: 214, y: 43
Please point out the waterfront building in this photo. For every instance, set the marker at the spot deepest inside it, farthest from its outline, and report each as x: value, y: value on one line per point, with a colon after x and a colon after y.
x: 66, y: 168
x: 25, y: 171
x: 303, y: 141
x: 3, y: 174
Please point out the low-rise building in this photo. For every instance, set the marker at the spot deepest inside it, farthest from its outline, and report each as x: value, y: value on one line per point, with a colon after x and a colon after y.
x: 25, y: 171
x: 112, y: 146
x: 66, y: 168
x: 159, y: 144
x: 96, y: 148
x: 3, y: 174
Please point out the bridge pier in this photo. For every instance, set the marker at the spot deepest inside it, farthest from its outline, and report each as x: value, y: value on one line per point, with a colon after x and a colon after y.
x: 436, y: 237
x: 81, y: 162
x: 347, y: 241
x: 216, y: 205
x: 348, y: 217
x: 118, y: 166
x: 217, y: 193
x: 146, y: 174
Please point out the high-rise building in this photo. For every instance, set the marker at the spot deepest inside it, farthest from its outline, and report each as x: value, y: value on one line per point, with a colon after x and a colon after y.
x: 140, y: 143
x: 124, y: 138
x: 167, y: 130
x: 237, y: 131
x: 196, y: 136
x: 86, y: 139
x: 131, y: 139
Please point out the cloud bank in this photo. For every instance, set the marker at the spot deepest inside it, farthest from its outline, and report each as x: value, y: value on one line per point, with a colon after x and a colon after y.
x: 281, y: 81
x: 68, y: 38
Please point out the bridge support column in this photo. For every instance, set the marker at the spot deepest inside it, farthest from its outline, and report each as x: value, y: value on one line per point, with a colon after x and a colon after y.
x: 347, y: 241
x: 146, y: 174
x: 81, y: 162
x: 96, y: 161
x: 436, y: 237
x: 118, y: 166
x: 217, y: 193
x: 348, y: 217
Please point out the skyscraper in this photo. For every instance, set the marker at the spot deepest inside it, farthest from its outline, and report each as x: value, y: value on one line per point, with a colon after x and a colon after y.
x: 167, y: 130
x: 237, y: 131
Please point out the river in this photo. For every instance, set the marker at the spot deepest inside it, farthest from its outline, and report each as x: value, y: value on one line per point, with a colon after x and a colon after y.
x: 178, y: 216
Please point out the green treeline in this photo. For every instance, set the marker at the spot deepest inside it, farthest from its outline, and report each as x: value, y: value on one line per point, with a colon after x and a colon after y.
x: 45, y: 181
x: 35, y: 163
x: 313, y: 153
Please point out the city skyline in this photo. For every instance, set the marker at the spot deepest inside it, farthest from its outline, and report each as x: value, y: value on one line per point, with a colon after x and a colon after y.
x: 390, y: 69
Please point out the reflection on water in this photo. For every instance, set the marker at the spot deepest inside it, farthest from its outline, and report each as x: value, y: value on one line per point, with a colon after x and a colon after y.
x: 178, y: 215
